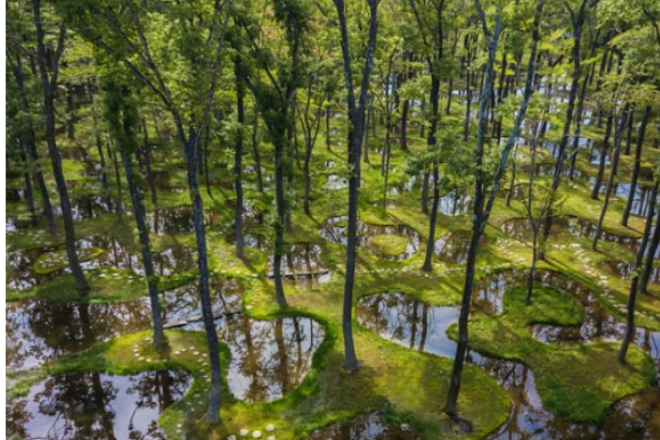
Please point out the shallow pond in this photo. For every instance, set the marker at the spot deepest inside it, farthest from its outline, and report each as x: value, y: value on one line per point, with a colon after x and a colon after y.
x: 97, y: 406
x: 453, y: 246
x: 177, y: 220
x: 368, y: 236
x: 419, y: 326
x: 302, y: 262
x: 366, y: 427
x: 39, y: 331
x: 268, y: 358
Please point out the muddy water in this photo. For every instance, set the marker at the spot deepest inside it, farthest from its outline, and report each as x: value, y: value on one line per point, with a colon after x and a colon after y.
x: 97, y: 406
x: 419, y: 326
x: 39, y: 331
x: 335, y: 229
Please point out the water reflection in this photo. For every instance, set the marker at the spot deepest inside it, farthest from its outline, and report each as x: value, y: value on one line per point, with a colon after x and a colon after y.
x: 97, y: 406
x: 453, y: 246
x: 268, y: 358
x: 335, y: 229
x: 302, y: 262
x: 39, y: 331
x: 366, y: 427
x: 419, y: 326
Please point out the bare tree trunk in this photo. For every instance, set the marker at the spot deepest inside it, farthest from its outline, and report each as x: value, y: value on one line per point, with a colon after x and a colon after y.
x: 610, y: 183
x: 430, y: 244
x: 636, y: 165
x: 48, y: 86
x: 632, y: 297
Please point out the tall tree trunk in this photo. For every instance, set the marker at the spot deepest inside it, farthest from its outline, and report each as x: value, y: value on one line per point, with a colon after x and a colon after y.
x: 238, y: 158
x: 632, y: 296
x: 147, y: 161
x: 255, y: 153
x: 48, y: 85
x: 190, y: 148
x: 356, y: 115
x: 145, y: 246
x: 610, y: 182
x: 30, y: 144
x: 653, y: 248
x: 636, y: 165
x: 430, y: 244
x: 577, y: 20
x: 112, y: 154
x: 603, y: 156
x: 27, y: 176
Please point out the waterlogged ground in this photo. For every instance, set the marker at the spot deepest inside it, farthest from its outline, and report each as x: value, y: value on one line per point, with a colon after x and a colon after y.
x: 86, y: 369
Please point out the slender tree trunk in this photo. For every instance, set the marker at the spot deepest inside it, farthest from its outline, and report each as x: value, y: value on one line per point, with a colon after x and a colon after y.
x: 577, y: 22
x: 632, y: 297
x: 27, y: 176
x: 430, y: 244
x: 48, y: 85
x: 255, y: 153
x: 327, y: 128
x: 603, y: 156
x: 356, y: 115
x: 190, y: 148
x: 425, y: 193
x: 159, y: 341
x: 147, y: 161
x: 653, y: 248
x: 610, y: 182
x: 70, y: 121
x: 30, y: 144
x: 280, y: 147
x: 238, y: 159
x: 112, y: 153
x: 636, y: 165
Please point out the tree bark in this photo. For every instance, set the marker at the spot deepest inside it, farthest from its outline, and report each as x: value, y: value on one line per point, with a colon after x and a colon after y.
x: 636, y: 165
x: 48, y: 85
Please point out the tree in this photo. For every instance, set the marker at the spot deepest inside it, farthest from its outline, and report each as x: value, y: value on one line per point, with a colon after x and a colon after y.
x: 128, y: 33
x: 356, y: 113
x: 122, y: 116
x: 49, y: 65
x: 482, y: 207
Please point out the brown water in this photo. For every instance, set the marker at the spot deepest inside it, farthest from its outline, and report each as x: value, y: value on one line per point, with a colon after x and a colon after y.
x: 335, y: 229
x: 419, y: 326
x: 97, y: 406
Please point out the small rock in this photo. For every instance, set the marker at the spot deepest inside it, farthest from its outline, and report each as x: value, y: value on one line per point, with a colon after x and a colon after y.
x: 231, y: 437
x: 256, y: 434
x: 244, y: 432
x: 270, y: 428
x: 405, y: 427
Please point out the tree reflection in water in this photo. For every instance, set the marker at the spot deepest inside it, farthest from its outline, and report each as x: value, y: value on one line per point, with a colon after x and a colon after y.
x: 96, y: 406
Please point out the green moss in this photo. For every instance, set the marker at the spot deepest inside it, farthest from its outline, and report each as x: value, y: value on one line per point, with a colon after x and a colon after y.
x: 57, y: 260
x: 390, y: 244
x: 579, y: 382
